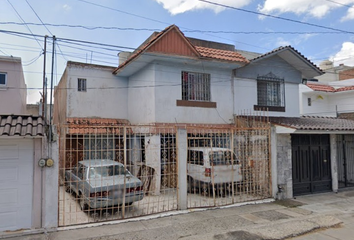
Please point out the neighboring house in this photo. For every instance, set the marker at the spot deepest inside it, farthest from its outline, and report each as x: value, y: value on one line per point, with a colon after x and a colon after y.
x: 12, y: 86
x: 335, y: 73
x: 172, y: 80
x: 332, y: 99
x: 24, y: 186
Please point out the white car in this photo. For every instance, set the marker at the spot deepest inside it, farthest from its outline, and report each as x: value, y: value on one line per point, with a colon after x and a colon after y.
x: 207, y: 166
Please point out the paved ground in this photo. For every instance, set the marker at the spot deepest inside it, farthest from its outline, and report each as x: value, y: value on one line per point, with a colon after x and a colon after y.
x: 320, y: 216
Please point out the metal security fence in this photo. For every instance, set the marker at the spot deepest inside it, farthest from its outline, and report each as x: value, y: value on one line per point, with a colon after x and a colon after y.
x: 109, y: 173
x: 229, y: 165
x: 117, y: 172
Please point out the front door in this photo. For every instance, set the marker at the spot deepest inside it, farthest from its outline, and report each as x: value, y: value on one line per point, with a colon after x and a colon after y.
x: 311, y: 163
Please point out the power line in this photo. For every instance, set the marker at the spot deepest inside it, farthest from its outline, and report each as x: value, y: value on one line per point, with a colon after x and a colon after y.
x: 25, y: 23
x: 186, y: 31
x: 166, y: 23
x: 345, y: 5
x: 276, y: 17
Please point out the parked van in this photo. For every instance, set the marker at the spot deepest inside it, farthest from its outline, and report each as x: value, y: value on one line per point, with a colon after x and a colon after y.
x: 207, y: 166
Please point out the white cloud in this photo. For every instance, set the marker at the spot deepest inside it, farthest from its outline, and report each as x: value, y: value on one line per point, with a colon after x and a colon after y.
x: 282, y: 42
x: 345, y: 55
x: 315, y: 8
x: 181, y: 6
x: 66, y: 7
x: 350, y: 14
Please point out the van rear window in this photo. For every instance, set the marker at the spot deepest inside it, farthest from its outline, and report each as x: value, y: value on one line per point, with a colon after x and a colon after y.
x: 221, y: 158
x: 195, y: 157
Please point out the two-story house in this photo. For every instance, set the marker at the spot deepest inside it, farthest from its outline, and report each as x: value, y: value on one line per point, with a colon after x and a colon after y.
x: 171, y: 80
x: 22, y: 145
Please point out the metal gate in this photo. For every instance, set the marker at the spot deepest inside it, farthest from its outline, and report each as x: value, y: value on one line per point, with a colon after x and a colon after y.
x: 228, y: 165
x: 110, y: 173
x: 345, y: 156
x: 311, y: 163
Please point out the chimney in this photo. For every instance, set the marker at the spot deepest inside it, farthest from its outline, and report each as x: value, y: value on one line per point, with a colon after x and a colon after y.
x: 123, y: 56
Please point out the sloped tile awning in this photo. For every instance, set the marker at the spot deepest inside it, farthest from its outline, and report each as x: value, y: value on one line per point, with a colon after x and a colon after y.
x: 97, y: 126
x: 314, y: 123
x: 21, y: 125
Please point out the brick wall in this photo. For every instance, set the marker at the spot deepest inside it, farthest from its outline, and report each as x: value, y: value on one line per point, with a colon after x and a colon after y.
x: 346, y: 74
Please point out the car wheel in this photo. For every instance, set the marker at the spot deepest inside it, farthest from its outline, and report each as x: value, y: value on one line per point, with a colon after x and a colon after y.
x: 83, y: 205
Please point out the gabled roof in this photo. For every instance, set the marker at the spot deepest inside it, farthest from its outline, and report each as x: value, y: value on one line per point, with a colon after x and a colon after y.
x: 295, y: 58
x: 327, y: 88
x: 150, y: 42
x: 21, y: 125
x: 172, y: 41
x: 314, y: 123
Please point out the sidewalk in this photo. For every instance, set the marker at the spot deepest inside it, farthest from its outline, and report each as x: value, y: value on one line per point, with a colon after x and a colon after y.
x: 272, y: 220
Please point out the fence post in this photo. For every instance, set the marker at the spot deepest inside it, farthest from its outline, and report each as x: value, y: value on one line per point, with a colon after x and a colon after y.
x: 182, y: 146
x: 334, y: 167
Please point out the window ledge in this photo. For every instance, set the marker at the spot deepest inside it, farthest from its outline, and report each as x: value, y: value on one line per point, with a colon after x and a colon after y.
x: 186, y: 103
x: 269, y: 108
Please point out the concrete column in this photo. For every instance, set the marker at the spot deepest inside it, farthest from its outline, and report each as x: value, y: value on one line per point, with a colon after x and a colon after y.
x: 284, y: 166
x: 273, y: 161
x: 51, y: 188
x: 153, y: 160
x: 334, y: 166
x: 182, y: 147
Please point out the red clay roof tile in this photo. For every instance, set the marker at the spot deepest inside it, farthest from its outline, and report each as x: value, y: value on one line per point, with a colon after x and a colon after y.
x: 14, y: 125
x: 348, y: 88
x: 327, y: 88
x: 321, y: 87
x: 221, y: 54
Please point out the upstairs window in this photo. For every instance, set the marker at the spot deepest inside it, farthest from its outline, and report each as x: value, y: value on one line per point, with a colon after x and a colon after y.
x: 195, y: 86
x: 81, y: 84
x: 270, y: 93
x: 3, y: 79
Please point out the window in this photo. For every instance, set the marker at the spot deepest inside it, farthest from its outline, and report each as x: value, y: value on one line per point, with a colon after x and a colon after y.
x: 3, y: 79
x: 81, y: 84
x: 195, y: 86
x: 270, y: 93
x: 309, y: 102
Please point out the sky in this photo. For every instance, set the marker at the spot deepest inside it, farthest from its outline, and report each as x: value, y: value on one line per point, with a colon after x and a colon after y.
x: 319, y: 29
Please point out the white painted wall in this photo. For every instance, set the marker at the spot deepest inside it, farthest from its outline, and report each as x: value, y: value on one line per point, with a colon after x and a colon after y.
x: 246, y: 98
x: 166, y: 96
x: 325, y: 104
x: 141, y: 96
x: 106, y: 95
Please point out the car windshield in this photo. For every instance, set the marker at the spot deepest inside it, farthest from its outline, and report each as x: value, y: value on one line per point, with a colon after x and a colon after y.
x: 221, y: 158
x: 107, y: 171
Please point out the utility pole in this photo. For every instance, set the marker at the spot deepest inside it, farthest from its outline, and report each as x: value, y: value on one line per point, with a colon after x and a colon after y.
x: 44, y: 96
x: 51, y: 93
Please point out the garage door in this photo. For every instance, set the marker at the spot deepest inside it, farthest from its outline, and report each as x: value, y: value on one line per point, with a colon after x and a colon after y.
x: 16, y: 183
x: 311, y: 163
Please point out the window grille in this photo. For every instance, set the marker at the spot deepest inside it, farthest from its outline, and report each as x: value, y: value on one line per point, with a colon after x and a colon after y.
x: 81, y: 84
x: 270, y: 91
x: 195, y: 86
